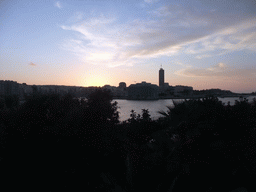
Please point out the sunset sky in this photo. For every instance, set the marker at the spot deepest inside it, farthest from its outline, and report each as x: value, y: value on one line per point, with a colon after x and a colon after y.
x: 200, y: 43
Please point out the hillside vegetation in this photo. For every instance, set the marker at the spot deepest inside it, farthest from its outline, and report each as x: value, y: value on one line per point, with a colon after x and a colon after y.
x: 59, y: 143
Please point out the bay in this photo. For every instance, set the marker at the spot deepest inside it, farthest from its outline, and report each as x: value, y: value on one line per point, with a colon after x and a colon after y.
x: 125, y: 106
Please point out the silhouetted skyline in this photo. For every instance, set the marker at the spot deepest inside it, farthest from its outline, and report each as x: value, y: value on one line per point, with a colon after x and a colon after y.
x: 204, y: 44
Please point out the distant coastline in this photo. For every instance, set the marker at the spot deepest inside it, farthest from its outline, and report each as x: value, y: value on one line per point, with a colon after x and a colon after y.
x: 189, y: 97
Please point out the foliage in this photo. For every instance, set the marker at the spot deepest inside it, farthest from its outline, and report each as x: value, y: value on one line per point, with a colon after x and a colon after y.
x: 61, y: 137
x: 133, y: 117
x: 11, y: 101
x: 101, y: 109
x: 193, y: 110
x: 2, y: 103
x: 145, y: 117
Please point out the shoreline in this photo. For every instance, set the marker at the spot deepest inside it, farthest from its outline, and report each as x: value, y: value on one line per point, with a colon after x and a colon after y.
x: 186, y: 97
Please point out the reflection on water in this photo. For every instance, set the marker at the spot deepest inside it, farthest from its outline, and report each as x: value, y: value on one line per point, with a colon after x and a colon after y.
x: 156, y: 105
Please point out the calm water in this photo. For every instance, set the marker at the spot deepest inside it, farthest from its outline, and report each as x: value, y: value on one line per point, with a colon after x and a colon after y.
x: 154, y: 106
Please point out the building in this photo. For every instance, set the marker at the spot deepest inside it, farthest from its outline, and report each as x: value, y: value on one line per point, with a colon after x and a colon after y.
x: 2, y: 92
x: 143, y: 91
x: 161, y: 77
x: 183, y: 90
x: 25, y: 90
x: 9, y: 88
x: 110, y: 88
x: 122, y: 85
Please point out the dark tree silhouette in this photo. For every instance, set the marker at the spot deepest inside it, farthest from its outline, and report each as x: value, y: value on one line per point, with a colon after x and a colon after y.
x: 101, y: 109
x: 11, y: 101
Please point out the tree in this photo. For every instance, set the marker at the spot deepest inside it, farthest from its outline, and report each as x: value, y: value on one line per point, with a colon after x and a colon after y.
x: 11, y: 101
x: 2, y: 103
x: 134, y: 117
x: 101, y: 107
x: 145, y: 115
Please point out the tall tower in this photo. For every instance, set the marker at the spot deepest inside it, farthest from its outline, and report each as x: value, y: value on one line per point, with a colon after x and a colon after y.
x: 161, y: 77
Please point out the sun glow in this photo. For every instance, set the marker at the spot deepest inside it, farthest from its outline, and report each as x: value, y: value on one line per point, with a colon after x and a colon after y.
x: 97, y: 81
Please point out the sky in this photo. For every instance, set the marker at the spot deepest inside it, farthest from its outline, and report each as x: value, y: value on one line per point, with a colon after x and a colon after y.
x: 200, y: 43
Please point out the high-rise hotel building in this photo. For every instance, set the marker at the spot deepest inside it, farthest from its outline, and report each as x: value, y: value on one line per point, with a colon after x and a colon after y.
x: 161, y: 77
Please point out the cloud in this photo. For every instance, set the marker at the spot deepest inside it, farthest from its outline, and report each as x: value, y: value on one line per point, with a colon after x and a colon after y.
x: 241, y: 6
x: 169, y: 30
x: 78, y: 16
x: 233, y: 38
x: 32, y: 64
x: 58, y: 4
x: 220, y: 71
x: 202, y: 56
x: 151, y: 1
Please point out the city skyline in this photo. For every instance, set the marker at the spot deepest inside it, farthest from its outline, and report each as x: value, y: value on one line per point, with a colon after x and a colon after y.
x: 203, y: 44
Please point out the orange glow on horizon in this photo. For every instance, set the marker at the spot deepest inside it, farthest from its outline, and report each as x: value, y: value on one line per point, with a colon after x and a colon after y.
x: 97, y: 81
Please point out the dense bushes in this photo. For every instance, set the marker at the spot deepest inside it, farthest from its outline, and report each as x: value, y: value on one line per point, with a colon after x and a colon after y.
x: 217, y: 138
x: 196, y: 141
x: 56, y: 132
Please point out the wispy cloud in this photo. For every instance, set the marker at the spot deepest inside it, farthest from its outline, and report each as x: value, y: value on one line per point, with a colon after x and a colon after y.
x: 78, y: 16
x: 202, y: 56
x: 220, y: 71
x: 32, y: 64
x: 172, y: 30
x: 151, y: 1
x: 58, y: 4
x: 237, y: 37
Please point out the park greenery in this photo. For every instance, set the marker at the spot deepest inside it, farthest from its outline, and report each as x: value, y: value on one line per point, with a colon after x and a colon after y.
x: 54, y: 143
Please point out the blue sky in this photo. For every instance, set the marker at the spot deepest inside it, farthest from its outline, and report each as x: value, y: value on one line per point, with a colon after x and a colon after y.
x: 200, y: 43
